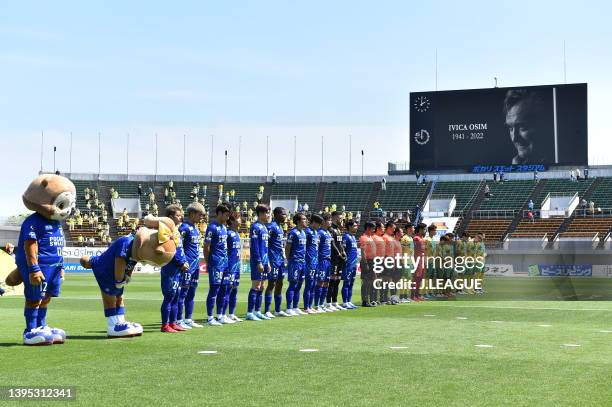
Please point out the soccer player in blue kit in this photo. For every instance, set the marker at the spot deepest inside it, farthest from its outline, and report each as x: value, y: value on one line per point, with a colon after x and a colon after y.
x: 41, y: 265
x: 312, y: 262
x: 324, y: 269
x: 278, y: 263
x: 170, y: 278
x: 350, y: 268
x: 215, y: 255
x: 190, y: 234
x: 295, y: 252
x: 260, y: 264
x: 234, y: 246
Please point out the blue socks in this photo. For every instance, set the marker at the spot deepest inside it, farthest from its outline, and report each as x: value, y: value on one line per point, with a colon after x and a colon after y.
x: 189, y: 302
x: 166, y: 309
x: 251, y: 300
x: 296, y: 293
x: 267, y: 301
x: 181, y: 302
x: 42, y: 316
x: 211, y: 299
x: 232, y: 300
x: 345, y: 291
x: 31, y: 318
x: 224, y: 299
x: 278, y: 299
x: 258, y: 301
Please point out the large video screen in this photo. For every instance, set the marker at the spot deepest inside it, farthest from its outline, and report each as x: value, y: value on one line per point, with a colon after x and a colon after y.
x: 518, y: 128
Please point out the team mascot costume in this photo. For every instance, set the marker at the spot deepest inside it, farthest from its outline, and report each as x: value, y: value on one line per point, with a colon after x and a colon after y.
x: 39, y: 260
x: 154, y: 244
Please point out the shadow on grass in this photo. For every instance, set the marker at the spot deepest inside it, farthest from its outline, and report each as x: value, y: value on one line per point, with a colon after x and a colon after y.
x: 9, y: 344
x: 86, y: 337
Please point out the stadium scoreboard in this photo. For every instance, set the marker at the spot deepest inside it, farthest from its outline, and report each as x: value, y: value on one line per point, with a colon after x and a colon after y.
x: 518, y: 128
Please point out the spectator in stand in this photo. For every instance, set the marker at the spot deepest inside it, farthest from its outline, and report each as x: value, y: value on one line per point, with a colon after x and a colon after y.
x: 171, y: 185
x: 502, y: 176
x: 487, y: 191
x: 300, y: 208
x: 530, y: 216
x: 535, y: 175
x: 166, y: 195
x: 578, y: 174
x: 592, y: 207
x: 151, y: 197
x: 80, y: 240
x: 139, y: 190
x: 530, y: 205
x: 583, y: 204
x: 306, y: 207
x: 115, y: 195
x: 571, y: 175
x: 495, y: 176
x: 358, y: 217
x: 273, y: 178
x: 586, y: 173
x: 383, y: 184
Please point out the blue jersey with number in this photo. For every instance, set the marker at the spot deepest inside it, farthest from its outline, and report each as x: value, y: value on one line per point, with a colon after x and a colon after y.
x: 350, y: 246
x: 297, y: 239
x: 233, y: 247
x: 312, y: 247
x: 216, y: 235
x: 259, y: 243
x: 276, y: 249
x: 191, y: 241
x: 325, y: 241
x: 104, y: 264
x: 49, y: 236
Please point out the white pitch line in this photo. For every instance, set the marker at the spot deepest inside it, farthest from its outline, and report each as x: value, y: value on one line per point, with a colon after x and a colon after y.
x: 545, y: 325
x: 461, y: 317
x: 398, y: 347
x: 605, y: 331
x: 429, y: 315
x: 497, y: 322
x: 207, y: 352
x: 309, y: 350
x: 571, y: 345
x: 483, y: 345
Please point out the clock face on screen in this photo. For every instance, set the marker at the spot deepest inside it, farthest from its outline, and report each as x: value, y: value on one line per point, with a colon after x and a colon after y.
x: 421, y: 103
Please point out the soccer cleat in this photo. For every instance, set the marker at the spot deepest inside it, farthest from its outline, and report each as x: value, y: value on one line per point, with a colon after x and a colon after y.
x: 299, y: 311
x: 332, y: 307
x: 176, y: 327
x: 269, y: 315
x: 291, y: 312
x: 353, y: 305
x: 167, y: 328
x: 37, y: 337
x: 183, y: 325
x: 124, y: 330
x: 213, y: 322
x: 234, y: 318
x: 261, y: 316
x: 339, y: 307
x: 281, y: 314
x: 251, y: 317
x: 225, y: 320
x: 191, y: 323
x: 311, y: 311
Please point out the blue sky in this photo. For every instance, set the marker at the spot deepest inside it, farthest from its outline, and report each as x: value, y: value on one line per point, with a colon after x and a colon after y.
x: 269, y: 68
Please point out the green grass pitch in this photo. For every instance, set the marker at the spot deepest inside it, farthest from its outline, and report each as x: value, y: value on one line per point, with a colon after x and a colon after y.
x: 436, y: 360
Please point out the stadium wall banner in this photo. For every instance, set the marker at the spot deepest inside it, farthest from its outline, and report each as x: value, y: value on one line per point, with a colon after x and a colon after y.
x: 504, y: 270
x: 75, y: 268
x: 602, y: 270
x: 525, y: 128
x: 565, y: 270
x: 78, y: 252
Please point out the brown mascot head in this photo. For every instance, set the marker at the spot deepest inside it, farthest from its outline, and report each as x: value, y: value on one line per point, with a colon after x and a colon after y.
x: 156, y: 243
x: 52, y: 196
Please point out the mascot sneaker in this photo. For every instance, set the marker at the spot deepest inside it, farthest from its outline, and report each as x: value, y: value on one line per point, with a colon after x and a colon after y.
x: 59, y: 336
x: 37, y: 337
x: 123, y: 330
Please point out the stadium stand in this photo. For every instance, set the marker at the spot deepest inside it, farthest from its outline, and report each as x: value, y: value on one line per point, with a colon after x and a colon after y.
x: 508, y: 195
x: 464, y: 191
x: 401, y: 196
x: 538, y: 228
x: 354, y: 196
x: 493, y: 229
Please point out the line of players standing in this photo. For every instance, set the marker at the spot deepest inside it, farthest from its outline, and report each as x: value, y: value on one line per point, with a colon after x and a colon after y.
x: 316, y: 256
